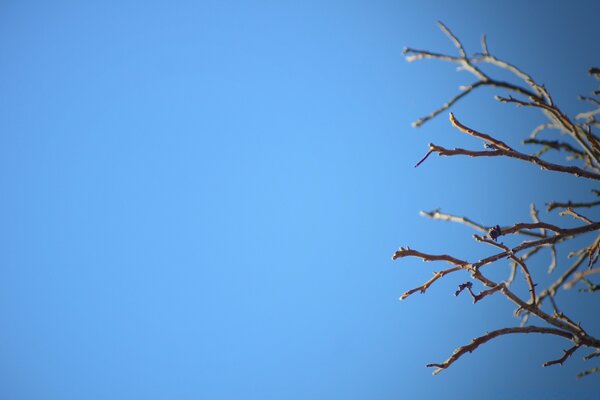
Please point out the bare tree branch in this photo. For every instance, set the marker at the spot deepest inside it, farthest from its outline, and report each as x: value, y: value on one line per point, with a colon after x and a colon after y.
x: 584, y: 151
x: 475, y: 343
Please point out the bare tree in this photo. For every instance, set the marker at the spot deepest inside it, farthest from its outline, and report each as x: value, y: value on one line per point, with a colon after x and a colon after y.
x: 583, y: 146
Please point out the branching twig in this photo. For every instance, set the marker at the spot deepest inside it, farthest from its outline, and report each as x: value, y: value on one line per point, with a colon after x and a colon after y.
x: 425, y: 286
x: 516, y: 260
x: 475, y: 343
x: 574, y: 214
x: 578, y: 276
x: 502, y: 149
x: 585, y: 151
x: 567, y: 354
x: 553, y: 205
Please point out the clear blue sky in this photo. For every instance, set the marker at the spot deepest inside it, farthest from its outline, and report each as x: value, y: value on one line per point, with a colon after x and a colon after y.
x: 200, y: 199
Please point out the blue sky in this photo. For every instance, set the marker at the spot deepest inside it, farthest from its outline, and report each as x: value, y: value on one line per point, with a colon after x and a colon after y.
x: 200, y: 199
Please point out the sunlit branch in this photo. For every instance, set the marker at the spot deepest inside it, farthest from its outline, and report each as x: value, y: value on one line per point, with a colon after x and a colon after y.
x: 578, y: 276
x: 475, y: 343
x: 553, y: 205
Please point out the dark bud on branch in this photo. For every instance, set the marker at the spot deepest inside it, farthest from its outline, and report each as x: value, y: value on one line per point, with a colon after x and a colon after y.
x: 463, y: 286
x: 495, y: 232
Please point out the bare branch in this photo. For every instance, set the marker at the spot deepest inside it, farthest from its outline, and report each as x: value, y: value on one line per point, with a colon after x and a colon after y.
x: 518, y: 155
x: 551, y: 290
x: 436, y: 214
x: 578, y: 276
x: 586, y: 151
x: 574, y: 214
x: 588, y: 372
x: 408, y: 252
x: 567, y: 354
x: 556, y: 145
x: 475, y: 343
x: 517, y: 260
x: 553, y: 205
x: 425, y: 286
x: 500, y: 145
x: 424, y: 158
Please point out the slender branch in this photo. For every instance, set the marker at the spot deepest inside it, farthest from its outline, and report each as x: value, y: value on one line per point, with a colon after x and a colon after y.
x: 464, y: 60
x: 575, y: 131
x: 518, y: 155
x: 480, y: 295
x: 553, y: 205
x: 567, y: 354
x: 556, y: 145
x: 578, y: 276
x: 591, y: 287
x: 589, y: 371
x: 465, y: 91
x: 424, y: 158
x: 475, y: 343
x: 551, y: 290
x: 540, y: 128
x: 436, y: 214
x: 517, y: 260
x: 553, y: 263
x: 408, y: 252
x: 500, y: 145
x: 425, y: 286
x: 519, y: 227
x: 574, y: 214
x: 592, y: 355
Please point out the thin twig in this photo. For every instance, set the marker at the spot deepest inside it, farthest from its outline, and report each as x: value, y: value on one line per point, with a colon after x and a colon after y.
x: 518, y: 155
x: 574, y: 214
x: 578, y: 276
x: 475, y: 343
x: 425, y: 286
x: 517, y: 260
x: 567, y: 354
x: 553, y: 205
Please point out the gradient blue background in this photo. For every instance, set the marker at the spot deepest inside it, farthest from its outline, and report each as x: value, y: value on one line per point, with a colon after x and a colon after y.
x: 199, y: 200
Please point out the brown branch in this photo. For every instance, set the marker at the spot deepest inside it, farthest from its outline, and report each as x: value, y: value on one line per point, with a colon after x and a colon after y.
x: 425, y: 286
x: 540, y: 128
x: 408, y: 252
x: 519, y: 227
x: 592, y: 355
x: 576, y: 330
x: 556, y: 145
x: 465, y: 91
x: 500, y: 145
x: 575, y: 131
x: 567, y: 354
x: 475, y: 343
x: 518, y: 155
x: 552, y: 205
x: 594, y: 249
x: 517, y: 260
x: 578, y: 276
x: 476, y: 297
x: 589, y: 371
x: 551, y: 290
x: 553, y: 263
x: 466, y: 62
x: 436, y: 214
x: 574, y: 214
